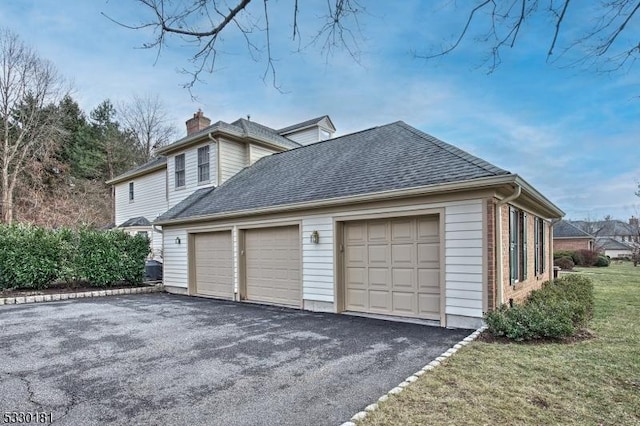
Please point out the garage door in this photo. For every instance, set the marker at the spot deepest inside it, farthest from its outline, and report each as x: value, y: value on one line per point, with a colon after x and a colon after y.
x: 213, y: 264
x: 272, y: 265
x: 392, y: 267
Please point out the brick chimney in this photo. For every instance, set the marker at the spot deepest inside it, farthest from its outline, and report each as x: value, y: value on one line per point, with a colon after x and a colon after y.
x: 633, y: 221
x: 197, y: 123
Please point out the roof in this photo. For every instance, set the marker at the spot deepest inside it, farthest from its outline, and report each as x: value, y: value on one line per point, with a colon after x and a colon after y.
x: 391, y: 157
x: 565, y: 229
x: 606, y: 228
x: 155, y: 164
x: 135, y: 221
x: 606, y: 243
x: 307, y: 123
x: 239, y: 128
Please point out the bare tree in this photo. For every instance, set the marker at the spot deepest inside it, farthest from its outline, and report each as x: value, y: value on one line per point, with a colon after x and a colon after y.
x: 29, y: 122
x: 599, y: 37
x: 145, y: 116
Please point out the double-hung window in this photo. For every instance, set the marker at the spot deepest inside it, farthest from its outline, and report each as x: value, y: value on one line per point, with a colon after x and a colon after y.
x: 517, y: 245
x: 179, y: 171
x: 539, y: 230
x: 203, y: 164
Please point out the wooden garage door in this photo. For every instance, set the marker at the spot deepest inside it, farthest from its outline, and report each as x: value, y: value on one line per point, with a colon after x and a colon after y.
x: 392, y: 266
x: 213, y: 264
x: 272, y: 265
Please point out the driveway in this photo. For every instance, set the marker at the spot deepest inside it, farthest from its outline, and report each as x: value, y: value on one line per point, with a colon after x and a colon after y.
x: 157, y: 359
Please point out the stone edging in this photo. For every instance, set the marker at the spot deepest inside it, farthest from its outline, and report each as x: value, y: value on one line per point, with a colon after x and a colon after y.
x: 433, y: 364
x: 79, y: 295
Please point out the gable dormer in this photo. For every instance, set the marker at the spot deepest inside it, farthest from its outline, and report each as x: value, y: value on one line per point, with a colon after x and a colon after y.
x: 311, y: 131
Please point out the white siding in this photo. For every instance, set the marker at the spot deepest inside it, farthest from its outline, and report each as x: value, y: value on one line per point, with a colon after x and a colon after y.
x: 233, y: 158
x: 306, y: 136
x: 149, y: 197
x: 317, y: 260
x: 156, y: 244
x: 175, y: 258
x: 257, y: 152
x: 191, y: 173
x: 464, y: 261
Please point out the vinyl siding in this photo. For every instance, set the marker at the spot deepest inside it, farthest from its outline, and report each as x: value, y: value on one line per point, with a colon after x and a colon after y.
x: 149, y: 201
x: 317, y: 259
x: 257, y: 152
x: 175, y: 258
x: 191, y: 173
x: 233, y: 158
x: 306, y: 136
x: 156, y: 244
x: 464, y: 262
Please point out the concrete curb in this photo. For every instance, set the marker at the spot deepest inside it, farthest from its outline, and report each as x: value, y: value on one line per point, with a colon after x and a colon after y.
x: 79, y: 295
x: 433, y: 364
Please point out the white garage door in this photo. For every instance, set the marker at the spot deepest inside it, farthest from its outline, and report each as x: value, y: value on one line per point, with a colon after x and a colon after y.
x: 213, y: 264
x: 272, y: 265
x: 392, y: 266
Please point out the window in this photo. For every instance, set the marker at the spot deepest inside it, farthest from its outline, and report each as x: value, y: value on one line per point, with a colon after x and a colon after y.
x: 517, y: 245
x: 203, y: 164
x: 143, y: 233
x: 130, y: 191
x: 179, y: 170
x: 540, y: 260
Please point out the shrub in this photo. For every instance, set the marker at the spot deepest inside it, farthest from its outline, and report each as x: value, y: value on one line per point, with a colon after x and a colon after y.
x: 588, y: 257
x: 602, y: 261
x: 563, y: 253
x: 556, y: 310
x: 578, y: 258
x: 565, y: 263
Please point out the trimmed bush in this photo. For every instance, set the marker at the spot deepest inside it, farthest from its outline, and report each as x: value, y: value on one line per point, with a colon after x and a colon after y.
x: 32, y: 257
x: 588, y: 257
x: 602, y: 261
x: 556, y: 310
x: 565, y: 263
x: 563, y: 253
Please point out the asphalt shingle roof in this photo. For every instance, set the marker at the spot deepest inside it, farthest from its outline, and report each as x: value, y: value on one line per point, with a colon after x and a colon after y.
x: 148, y: 165
x: 564, y: 229
x: 135, y: 221
x: 391, y: 157
x: 303, y: 124
x: 607, y: 243
x: 607, y: 228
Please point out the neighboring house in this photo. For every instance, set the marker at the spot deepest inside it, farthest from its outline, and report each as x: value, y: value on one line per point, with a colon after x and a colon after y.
x: 614, y: 249
x: 387, y: 221
x: 567, y: 236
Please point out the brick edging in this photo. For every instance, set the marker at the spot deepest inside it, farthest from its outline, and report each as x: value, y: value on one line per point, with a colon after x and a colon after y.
x: 433, y: 364
x: 79, y: 295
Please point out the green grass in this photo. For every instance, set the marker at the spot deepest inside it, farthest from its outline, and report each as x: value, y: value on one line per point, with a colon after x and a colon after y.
x: 587, y: 382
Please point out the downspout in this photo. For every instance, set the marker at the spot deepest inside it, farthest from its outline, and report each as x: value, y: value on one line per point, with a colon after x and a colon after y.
x: 498, y: 243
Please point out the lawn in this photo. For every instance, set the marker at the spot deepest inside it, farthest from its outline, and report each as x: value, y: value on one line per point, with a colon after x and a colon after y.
x: 588, y: 382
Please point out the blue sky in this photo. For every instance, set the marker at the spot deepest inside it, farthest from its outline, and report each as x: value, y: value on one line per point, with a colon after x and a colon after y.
x: 573, y: 134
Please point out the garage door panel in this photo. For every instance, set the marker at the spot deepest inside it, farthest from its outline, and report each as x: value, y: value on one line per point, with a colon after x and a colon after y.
x: 272, y: 265
x: 213, y: 264
x: 396, y: 270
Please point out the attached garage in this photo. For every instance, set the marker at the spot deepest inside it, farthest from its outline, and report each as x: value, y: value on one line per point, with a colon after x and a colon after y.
x: 213, y: 264
x: 272, y: 266
x: 392, y: 267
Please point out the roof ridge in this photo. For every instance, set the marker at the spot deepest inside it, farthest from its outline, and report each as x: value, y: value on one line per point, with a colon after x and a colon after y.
x: 476, y: 161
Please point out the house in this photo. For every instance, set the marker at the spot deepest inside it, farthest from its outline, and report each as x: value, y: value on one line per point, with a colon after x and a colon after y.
x: 567, y: 236
x: 614, y: 238
x: 388, y: 221
x: 615, y: 249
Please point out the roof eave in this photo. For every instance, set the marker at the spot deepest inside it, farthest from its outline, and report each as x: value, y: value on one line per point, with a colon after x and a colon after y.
x: 125, y: 177
x: 553, y: 210
x: 481, y: 183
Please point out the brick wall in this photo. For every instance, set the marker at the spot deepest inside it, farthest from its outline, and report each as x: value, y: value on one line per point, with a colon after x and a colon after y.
x: 571, y: 244
x: 521, y: 289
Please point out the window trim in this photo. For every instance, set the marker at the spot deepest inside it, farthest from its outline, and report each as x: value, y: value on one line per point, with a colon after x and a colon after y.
x: 518, y: 246
x: 131, y: 192
x: 202, y: 164
x: 179, y: 172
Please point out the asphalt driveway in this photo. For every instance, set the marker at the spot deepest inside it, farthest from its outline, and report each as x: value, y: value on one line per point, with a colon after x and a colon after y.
x: 164, y: 359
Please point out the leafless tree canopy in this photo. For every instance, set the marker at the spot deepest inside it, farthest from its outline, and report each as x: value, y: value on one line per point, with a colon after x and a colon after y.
x: 586, y: 33
x: 29, y: 125
x: 146, y: 118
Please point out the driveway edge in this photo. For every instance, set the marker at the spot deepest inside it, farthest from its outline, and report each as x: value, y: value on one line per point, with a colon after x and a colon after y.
x: 433, y: 364
x: 79, y: 295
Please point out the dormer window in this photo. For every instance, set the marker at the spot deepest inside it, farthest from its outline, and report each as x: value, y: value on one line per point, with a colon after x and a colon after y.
x: 179, y: 171
x: 203, y: 164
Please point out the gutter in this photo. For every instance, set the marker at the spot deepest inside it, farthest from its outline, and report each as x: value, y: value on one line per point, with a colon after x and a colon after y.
x: 498, y: 243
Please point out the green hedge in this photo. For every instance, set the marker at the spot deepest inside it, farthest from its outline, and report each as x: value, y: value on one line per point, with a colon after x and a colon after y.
x: 32, y: 257
x: 558, y: 309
